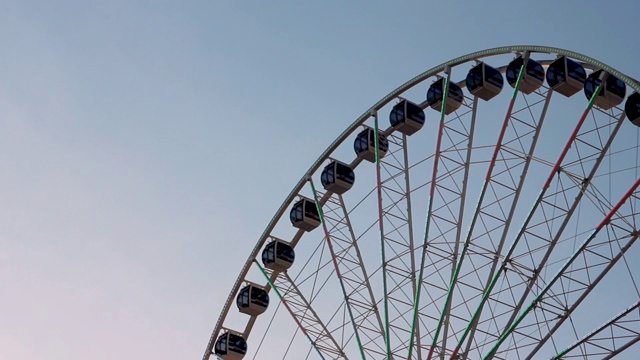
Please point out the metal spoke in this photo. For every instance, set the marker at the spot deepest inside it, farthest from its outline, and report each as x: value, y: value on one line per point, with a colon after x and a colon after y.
x: 550, y: 304
x: 337, y: 269
x: 445, y: 211
x: 553, y: 209
x: 353, y: 273
x: 609, y: 339
x: 504, y: 183
x: 397, y: 237
x: 303, y: 313
x: 299, y: 321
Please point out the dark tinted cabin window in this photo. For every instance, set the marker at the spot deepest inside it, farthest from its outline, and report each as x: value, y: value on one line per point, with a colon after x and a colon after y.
x: 361, y: 143
x: 556, y: 72
x: 592, y: 83
x: 259, y: 297
x: 237, y: 344
x: 347, y: 177
x: 296, y: 212
x: 327, y: 177
x: 576, y: 71
x: 310, y: 210
x: 345, y: 173
x: 535, y: 70
x: 221, y: 344
x: 455, y: 92
x: 243, y: 298
x: 371, y: 137
x: 285, y: 252
x: 415, y: 113
x: 513, y: 69
x: 383, y: 145
x: 493, y: 76
x: 397, y: 114
x: 590, y: 87
x: 268, y: 254
x: 632, y: 107
x: 474, y: 77
x: 616, y: 86
x: 434, y: 94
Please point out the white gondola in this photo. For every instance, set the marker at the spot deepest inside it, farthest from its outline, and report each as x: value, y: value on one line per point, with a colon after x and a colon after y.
x: 365, y: 146
x: 231, y: 346
x: 278, y: 255
x: 304, y: 215
x: 484, y: 81
x: 632, y: 108
x: 337, y: 177
x: 252, y: 300
x: 407, y: 117
x: 454, y: 96
x: 532, y: 78
x: 610, y: 95
x: 566, y: 76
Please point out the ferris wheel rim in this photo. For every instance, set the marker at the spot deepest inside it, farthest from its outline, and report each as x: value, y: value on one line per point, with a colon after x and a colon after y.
x: 349, y: 130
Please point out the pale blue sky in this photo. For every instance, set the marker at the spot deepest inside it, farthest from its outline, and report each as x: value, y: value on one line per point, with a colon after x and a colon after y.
x: 144, y: 145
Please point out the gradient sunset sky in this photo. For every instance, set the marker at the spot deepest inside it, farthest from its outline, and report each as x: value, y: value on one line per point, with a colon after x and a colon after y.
x: 144, y: 145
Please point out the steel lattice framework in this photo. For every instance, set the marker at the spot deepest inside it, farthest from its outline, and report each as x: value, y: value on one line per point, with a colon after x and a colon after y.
x: 500, y: 230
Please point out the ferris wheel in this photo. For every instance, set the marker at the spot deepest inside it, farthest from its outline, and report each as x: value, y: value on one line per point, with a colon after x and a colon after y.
x: 495, y: 218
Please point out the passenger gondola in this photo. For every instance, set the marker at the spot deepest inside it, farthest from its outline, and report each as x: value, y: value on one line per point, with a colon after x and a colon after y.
x: 632, y: 108
x: 278, y: 255
x: 365, y: 145
x: 484, y: 81
x: 231, y: 346
x: 566, y: 76
x: 304, y: 215
x: 407, y: 117
x: 532, y: 78
x: 610, y: 95
x: 337, y: 177
x: 252, y: 300
x: 454, y: 96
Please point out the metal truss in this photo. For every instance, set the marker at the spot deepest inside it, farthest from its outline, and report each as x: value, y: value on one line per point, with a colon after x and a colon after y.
x: 490, y: 221
x: 306, y: 317
x: 563, y: 293
x: 609, y: 339
x: 523, y: 265
x: 397, y: 237
x: 471, y: 285
x: 443, y: 225
x: 353, y: 274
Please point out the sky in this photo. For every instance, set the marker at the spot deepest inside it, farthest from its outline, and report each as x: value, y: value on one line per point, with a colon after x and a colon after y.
x: 145, y: 145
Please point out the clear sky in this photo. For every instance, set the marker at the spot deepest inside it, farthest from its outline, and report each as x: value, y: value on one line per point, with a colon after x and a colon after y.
x: 144, y: 145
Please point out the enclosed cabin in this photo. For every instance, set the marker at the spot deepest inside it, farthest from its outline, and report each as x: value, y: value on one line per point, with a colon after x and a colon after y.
x: 252, y: 300
x: 484, y: 81
x: 611, y: 93
x: 231, y: 346
x: 278, y: 256
x: 337, y: 177
x: 304, y: 215
x: 407, y: 117
x: 632, y: 108
x: 566, y: 76
x: 532, y: 77
x: 435, y: 96
x: 365, y: 145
